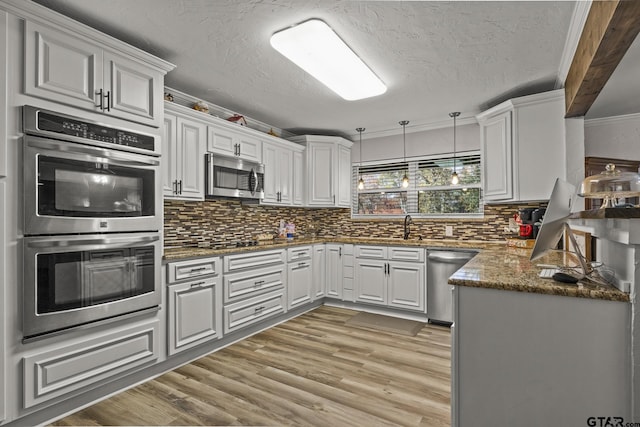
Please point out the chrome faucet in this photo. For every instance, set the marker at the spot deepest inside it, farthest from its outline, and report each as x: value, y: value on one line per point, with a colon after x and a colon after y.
x: 407, y: 226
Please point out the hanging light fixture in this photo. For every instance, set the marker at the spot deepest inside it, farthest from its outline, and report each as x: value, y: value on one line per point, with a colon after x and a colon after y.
x: 454, y: 176
x: 405, y: 178
x: 360, y: 181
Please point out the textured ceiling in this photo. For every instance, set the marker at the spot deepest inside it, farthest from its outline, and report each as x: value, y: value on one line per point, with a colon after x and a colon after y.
x: 435, y: 57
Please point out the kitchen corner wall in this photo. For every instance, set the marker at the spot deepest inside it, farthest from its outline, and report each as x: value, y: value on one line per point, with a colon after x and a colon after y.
x: 213, y: 222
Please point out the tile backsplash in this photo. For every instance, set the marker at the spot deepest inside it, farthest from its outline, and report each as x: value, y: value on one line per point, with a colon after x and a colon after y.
x: 212, y: 222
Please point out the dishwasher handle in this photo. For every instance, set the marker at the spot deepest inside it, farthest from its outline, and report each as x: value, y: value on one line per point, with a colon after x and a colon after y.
x: 451, y: 257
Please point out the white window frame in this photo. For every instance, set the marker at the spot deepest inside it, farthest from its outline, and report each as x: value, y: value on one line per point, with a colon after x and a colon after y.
x: 412, y: 190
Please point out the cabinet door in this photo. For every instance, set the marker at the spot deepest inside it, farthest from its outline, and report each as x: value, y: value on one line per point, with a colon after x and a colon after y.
x: 271, y: 175
x: 299, y: 284
x: 371, y: 281
x: 249, y: 148
x: 134, y: 90
x: 298, y: 179
x: 320, y: 173
x: 195, y: 314
x: 61, y: 68
x: 343, y: 198
x: 334, y: 271
x: 406, y: 285
x: 285, y: 172
x: 191, y: 145
x: 221, y: 141
x: 169, y: 156
x: 319, y: 271
x: 497, y: 161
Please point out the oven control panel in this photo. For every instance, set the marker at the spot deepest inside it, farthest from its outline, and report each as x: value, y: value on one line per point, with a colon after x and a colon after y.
x: 65, y: 125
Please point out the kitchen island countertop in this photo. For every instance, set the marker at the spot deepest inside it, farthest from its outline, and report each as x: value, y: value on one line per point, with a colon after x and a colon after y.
x: 510, y: 269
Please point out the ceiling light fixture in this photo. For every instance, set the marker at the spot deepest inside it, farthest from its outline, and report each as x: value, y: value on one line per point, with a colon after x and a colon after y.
x: 318, y: 50
x: 405, y: 178
x: 360, y: 181
x: 454, y: 176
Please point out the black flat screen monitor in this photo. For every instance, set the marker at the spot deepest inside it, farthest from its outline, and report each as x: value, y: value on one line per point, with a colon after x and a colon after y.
x: 554, y: 221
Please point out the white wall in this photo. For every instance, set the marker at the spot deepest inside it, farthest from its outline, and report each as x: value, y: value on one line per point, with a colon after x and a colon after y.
x: 613, y: 137
x: 422, y: 143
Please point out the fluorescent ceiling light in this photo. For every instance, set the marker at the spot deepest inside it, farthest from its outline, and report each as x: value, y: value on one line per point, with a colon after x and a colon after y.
x: 317, y: 49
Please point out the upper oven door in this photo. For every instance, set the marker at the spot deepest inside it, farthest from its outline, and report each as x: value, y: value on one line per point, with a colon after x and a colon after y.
x: 76, y: 188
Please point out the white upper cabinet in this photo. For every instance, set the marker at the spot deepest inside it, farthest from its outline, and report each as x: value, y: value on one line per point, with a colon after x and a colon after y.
x: 224, y: 139
x: 64, y: 67
x: 328, y: 170
x: 523, y: 147
x: 184, y: 143
x: 279, y: 169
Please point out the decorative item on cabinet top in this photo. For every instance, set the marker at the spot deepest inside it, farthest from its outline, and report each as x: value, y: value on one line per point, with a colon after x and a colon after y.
x: 201, y: 106
x: 238, y: 119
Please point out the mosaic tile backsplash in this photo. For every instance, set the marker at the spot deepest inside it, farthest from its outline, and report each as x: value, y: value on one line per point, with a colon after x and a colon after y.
x: 213, y: 222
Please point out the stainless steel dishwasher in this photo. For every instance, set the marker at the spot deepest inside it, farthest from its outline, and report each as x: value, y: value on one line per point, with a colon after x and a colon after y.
x: 441, y: 264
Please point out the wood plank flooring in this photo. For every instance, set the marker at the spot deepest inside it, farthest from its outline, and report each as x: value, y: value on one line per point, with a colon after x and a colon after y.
x: 310, y: 371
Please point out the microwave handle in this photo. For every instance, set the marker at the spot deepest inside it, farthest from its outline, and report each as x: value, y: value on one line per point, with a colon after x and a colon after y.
x: 254, y: 188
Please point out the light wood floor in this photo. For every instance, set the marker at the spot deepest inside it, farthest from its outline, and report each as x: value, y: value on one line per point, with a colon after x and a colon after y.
x: 310, y: 371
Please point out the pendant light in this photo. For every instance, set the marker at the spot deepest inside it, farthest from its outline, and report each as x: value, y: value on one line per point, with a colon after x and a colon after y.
x: 405, y: 178
x: 360, y: 181
x: 454, y: 176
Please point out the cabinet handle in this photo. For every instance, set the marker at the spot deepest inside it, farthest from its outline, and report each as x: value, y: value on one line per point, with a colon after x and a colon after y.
x: 195, y: 270
x: 334, y: 199
x: 101, y: 95
x: 108, y: 96
x: 175, y: 187
x: 258, y: 283
x: 239, y: 148
x: 340, y: 252
x: 180, y: 186
x: 197, y: 284
x: 259, y: 308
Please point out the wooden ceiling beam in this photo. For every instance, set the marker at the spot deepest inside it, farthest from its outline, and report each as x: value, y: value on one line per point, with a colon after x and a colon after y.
x: 609, y: 30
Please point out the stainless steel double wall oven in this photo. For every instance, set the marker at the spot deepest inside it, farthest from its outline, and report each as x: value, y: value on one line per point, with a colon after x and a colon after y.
x: 92, y: 222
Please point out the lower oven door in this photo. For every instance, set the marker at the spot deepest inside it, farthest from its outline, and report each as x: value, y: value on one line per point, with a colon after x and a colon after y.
x: 74, y: 280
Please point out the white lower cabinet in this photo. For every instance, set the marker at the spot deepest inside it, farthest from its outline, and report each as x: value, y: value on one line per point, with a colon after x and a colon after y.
x: 255, y: 288
x: 299, y: 276
x: 391, y: 277
x: 194, y: 303
x: 319, y: 262
x: 371, y: 281
x: 334, y: 271
x: 406, y: 285
x: 193, y: 317
x: 80, y: 363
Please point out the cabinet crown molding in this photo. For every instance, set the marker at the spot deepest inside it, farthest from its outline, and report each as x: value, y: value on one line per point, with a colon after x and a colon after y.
x: 37, y: 13
x: 521, y: 101
x: 303, y: 139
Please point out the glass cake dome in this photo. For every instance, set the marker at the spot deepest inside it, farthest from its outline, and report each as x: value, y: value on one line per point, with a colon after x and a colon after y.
x: 610, y: 185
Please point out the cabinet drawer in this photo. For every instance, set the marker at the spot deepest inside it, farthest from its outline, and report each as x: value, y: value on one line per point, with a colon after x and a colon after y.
x: 373, y: 252
x: 66, y: 369
x: 406, y: 254
x: 193, y: 268
x: 299, y: 253
x: 253, y: 260
x: 252, y: 283
x: 254, y: 310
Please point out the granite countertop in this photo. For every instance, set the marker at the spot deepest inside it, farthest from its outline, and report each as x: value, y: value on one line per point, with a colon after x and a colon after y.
x: 510, y: 269
x: 181, y: 253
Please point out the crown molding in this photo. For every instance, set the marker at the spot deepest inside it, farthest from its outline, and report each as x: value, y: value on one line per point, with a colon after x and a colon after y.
x: 579, y: 17
x: 611, y: 120
x: 414, y: 129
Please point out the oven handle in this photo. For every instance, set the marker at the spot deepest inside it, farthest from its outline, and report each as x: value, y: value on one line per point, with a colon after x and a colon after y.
x: 113, y: 242
x: 115, y: 158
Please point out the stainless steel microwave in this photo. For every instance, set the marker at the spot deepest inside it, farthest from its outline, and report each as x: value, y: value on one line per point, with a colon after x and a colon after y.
x: 233, y: 177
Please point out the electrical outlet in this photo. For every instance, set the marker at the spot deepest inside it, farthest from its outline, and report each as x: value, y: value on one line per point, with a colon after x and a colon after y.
x: 448, y: 230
